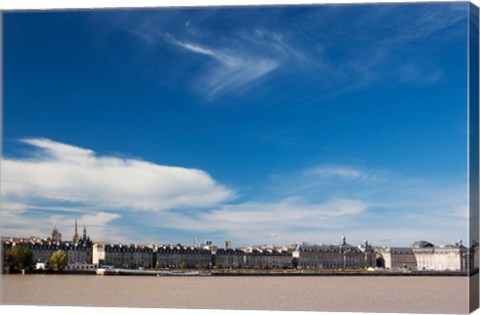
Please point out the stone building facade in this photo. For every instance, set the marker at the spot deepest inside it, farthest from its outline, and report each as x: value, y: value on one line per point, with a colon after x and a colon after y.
x: 423, y: 255
x: 268, y: 258
x: 122, y: 256
x: 175, y: 256
x: 397, y: 258
x: 229, y: 258
x: 342, y: 256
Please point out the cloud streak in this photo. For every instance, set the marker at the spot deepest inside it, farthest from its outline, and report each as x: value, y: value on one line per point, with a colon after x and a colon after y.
x: 232, y: 70
x: 339, y: 172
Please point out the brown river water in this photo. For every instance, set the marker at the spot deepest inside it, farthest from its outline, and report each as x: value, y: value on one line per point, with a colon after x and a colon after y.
x: 335, y: 294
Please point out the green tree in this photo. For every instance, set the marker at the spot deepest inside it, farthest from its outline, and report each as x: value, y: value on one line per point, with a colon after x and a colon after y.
x: 20, y: 257
x: 58, y: 260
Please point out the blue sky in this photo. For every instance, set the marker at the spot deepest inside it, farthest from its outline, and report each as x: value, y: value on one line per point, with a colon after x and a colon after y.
x: 270, y: 125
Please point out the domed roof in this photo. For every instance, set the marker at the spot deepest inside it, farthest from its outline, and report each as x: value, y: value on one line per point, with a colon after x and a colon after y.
x: 422, y: 244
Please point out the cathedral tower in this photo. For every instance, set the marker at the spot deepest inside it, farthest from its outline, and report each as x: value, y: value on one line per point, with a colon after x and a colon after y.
x: 56, y: 235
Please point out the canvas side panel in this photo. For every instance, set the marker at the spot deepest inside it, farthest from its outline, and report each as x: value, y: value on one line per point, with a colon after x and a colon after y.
x: 473, y: 108
x: 2, y: 28
x: 1, y: 140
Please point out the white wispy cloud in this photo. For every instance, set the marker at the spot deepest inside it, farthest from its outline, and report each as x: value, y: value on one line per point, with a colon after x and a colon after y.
x: 290, y: 212
x: 322, y: 181
x: 435, y: 208
x: 342, y: 172
x: 61, y: 172
x: 200, y: 50
x: 233, y: 68
x: 284, y: 221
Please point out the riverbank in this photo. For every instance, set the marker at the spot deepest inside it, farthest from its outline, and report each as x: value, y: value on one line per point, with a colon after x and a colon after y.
x: 355, y: 273
x: 253, y: 273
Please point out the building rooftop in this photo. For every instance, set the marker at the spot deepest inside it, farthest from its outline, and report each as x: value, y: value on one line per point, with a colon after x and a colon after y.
x: 422, y: 244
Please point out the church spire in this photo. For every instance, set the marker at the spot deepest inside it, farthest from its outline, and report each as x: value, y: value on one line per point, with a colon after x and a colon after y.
x: 75, y: 236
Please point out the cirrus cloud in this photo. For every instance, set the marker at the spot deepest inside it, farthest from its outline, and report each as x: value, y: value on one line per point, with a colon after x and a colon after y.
x: 233, y: 69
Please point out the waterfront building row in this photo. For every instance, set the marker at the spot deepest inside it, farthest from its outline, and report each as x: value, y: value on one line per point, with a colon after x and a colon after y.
x: 175, y: 256
x: 343, y: 256
x: 181, y: 256
x: 421, y: 255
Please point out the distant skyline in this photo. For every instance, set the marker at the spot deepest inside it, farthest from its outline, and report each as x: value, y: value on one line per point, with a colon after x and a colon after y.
x: 270, y: 125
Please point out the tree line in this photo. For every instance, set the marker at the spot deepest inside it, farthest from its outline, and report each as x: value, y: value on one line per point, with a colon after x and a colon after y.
x: 20, y: 258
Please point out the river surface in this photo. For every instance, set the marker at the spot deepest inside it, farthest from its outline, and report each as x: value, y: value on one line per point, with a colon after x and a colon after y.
x: 336, y: 294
